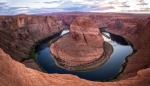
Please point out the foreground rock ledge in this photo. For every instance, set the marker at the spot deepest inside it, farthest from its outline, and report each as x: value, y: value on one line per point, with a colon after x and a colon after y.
x: 83, y: 44
x: 13, y: 73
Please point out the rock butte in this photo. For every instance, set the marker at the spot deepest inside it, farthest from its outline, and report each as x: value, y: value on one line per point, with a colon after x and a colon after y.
x: 83, y: 44
x: 12, y: 73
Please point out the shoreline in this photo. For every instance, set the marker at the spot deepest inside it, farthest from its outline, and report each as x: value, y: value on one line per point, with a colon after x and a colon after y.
x: 125, y: 63
x: 33, y: 50
x: 87, y: 66
x: 86, y: 69
x: 140, y: 46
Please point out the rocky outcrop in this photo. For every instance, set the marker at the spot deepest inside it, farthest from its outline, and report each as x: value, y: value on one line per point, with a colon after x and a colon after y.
x: 13, y: 73
x: 19, y: 33
x: 139, y: 36
x: 134, y: 28
x: 85, y: 28
x: 83, y: 44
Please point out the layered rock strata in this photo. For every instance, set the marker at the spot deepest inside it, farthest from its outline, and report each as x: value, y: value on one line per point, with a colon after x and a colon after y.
x: 134, y: 27
x: 19, y: 33
x: 13, y: 73
x: 83, y: 44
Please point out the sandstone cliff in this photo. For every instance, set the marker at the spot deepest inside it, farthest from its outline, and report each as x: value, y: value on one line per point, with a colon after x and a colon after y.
x: 16, y: 74
x: 17, y: 39
x: 139, y: 36
x: 135, y: 29
x: 19, y: 33
x: 82, y: 45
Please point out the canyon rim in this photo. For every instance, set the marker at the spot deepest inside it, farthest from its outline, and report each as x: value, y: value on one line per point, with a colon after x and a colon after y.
x: 19, y: 33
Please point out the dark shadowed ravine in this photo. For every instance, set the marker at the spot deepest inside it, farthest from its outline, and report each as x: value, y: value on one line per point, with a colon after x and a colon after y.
x: 121, y: 49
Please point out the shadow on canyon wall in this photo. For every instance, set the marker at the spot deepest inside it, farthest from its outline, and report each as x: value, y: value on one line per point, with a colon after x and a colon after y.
x: 19, y: 33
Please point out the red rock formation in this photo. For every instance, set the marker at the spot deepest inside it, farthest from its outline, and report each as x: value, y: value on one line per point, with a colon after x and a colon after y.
x: 139, y: 36
x: 19, y: 33
x: 85, y: 27
x: 83, y: 44
x: 13, y: 73
x: 135, y: 29
x: 23, y: 31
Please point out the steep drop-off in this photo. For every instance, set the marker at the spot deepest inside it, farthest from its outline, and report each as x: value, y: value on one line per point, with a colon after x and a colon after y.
x: 134, y: 28
x: 16, y: 74
x: 17, y: 39
x: 19, y: 33
x: 82, y: 45
x: 139, y: 36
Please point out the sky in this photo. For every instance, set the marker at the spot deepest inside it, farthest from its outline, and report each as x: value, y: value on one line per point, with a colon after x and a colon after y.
x: 14, y: 7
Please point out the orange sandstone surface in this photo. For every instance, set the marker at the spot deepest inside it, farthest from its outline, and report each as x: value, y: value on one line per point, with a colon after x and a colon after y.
x: 17, y: 39
x: 83, y: 44
x: 14, y: 73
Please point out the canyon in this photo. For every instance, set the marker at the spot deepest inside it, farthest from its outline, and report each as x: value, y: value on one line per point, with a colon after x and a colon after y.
x: 82, y: 45
x: 19, y: 33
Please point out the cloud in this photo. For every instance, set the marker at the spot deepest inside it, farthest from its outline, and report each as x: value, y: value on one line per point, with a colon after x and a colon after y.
x: 114, y: 3
x: 3, y: 8
x: 22, y: 10
x: 76, y: 8
x: 43, y: 6
x: 69, y: 4
x: 16, y: 10
x: 52, y: 2
x: 3, y: 4
x: 124, y: 4
x: 107, y: 8
x: 95, y: 0
x: 36, y: 2
x: 145, y: 9
x: 44, y: 10
x: 141, y: 2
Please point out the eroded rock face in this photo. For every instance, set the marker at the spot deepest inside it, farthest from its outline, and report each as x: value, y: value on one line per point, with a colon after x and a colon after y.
x: 13, y: 73
x: 137, y: 33
x: 84, y: 28
x: 139, y: 36
x: 83, y: 44
x: 19, y: 33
